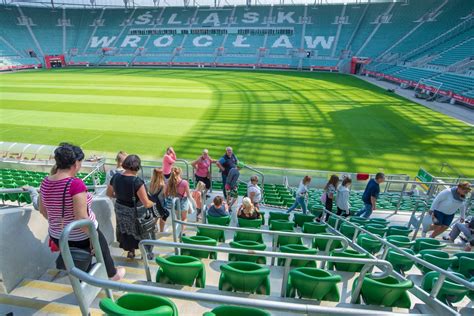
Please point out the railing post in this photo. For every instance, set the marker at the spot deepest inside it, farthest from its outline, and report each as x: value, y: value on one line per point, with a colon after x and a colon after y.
x: 358, y: 288
x: 420, y: 222
x: 286, y: 271
x: 437, y: 286
x: 174, y: 224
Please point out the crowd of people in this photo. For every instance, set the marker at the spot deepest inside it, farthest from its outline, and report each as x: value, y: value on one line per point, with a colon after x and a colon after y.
x: 64, y: 198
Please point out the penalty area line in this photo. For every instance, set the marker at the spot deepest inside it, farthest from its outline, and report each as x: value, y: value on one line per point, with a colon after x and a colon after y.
x: 91, y: 140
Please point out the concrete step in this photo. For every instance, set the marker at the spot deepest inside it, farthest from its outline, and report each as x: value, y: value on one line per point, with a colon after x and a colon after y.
x: 22, y: 306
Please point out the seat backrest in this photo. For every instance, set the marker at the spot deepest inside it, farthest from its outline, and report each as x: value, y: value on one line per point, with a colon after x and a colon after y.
x: 245, y: 276
x: 254, y: 223
x: 218, y: 220
x: 180, y: 269
x: 385, y: 292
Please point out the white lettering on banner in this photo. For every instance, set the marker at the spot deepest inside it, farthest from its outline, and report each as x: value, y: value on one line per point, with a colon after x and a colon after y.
x: 172, y: 19
x: 212, y: 18
x: 104, y: 41
x: 144, y: 18
x: 282, y: 41
x: 131, y: 40
x: 163, y: 41
x: 250, y: 17
x: 282, y: 16
x: 197, y: 41
x: 239, y: 41
x: 325, y: 44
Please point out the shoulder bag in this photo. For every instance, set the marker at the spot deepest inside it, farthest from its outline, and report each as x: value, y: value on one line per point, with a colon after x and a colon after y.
x: 144, y: 224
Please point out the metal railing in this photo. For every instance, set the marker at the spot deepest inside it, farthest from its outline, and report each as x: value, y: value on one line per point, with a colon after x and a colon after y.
x: 177, y: 233
x: 96, y: 279
x: 443, y: 274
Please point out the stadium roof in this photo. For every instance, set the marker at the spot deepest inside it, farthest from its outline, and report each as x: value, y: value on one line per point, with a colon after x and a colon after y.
x: 153, y: 3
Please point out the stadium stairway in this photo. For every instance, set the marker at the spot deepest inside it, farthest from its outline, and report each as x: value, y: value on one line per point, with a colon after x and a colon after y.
x: 52, y: 294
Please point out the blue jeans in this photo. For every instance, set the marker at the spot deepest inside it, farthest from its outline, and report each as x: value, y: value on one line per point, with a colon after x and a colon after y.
x: 224, y: 180
x: 300, y: 200
x: 366, y: 211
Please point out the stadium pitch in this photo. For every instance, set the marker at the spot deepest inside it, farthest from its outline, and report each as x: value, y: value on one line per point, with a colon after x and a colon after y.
x: 281, y: 119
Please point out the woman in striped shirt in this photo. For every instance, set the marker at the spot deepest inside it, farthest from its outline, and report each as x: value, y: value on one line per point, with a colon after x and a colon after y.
x: 77, y: 205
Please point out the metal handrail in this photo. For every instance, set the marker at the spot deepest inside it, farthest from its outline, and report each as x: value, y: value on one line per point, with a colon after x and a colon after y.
x: 186, y: 163
x: 446, y: 274
x: 101, y: 164
x: 223, y: 298
x: 20, y: 190
x: 368, y: 263
x: 96, y: 279
x: 175, y: 222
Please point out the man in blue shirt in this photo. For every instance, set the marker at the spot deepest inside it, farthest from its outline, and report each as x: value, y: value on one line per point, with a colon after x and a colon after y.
x: 227, y: 162
x: 370, y: 195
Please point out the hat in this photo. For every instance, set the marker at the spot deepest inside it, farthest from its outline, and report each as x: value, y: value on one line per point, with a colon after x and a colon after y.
x: 240, y: 165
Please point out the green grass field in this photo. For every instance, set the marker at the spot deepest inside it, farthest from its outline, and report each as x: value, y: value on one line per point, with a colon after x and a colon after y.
x: 282, y: 119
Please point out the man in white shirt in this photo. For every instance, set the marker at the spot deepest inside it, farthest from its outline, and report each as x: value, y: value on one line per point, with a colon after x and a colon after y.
x: 446, y: 204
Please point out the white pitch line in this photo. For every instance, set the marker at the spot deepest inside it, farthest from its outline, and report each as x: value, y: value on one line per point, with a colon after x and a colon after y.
x: 91, y: 140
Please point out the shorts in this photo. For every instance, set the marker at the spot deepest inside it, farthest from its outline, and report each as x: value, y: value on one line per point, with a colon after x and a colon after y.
x: 206, y: 181
x: 184, y: 204
x: 442, y: 219
x: 233, y: 193
x: 167, y: 176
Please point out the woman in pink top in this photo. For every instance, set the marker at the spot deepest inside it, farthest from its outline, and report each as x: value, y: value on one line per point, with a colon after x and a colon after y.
x: 168, y: 160
x: 201, y: 167
x: 179, y: 188
x: 64, y: 199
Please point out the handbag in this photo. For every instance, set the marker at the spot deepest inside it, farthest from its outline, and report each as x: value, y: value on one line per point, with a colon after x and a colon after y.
x: 158, y: 207
x: 144, y: 224
x: 82, y: 258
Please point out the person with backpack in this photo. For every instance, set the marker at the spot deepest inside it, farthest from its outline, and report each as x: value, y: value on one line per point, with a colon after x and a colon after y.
x: 232, y: 184
x: 157, y: 195
x: 227, y: 162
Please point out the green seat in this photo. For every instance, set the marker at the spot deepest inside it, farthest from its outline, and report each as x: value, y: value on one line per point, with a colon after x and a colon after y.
x: 359, y: 220
x: 249, y: 223
x: 332, y: 222
x: 450, y: 291
x: 321, y: 243
x: 183, y: 270
x: 427, y: 243
x: 379, y: 221
x: 369, y: 243
x: 245, y: 277
x: 376, y: 229
x: 278, y: 215
x: 249, y: 245
x: 199, y: 240
x: 288, y: 240
x: 135, y: 304
x: 281, y: 224
x: 464, y: 264
x: 217, y: 234
x: 437, y: 257
x: 388, y: 292
x: 347, y: 230
x: 301, y: 250
x: 398, y: 231
x: 314, y: 284
x: 300, y: 218
x: 348, y: 267
x: 400, y: 241
x: 225, y: 310
x: 399, y: 262
x: 314, y: 227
